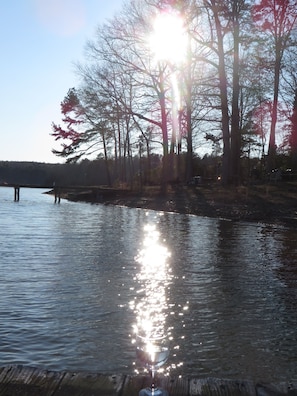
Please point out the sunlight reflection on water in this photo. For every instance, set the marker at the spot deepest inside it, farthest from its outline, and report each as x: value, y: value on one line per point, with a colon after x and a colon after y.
x: 150, y: 304
x: 152, y: 333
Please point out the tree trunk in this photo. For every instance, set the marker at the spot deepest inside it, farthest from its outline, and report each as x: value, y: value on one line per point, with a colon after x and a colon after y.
x: 235, y: 130
x: 272, y: 144
x: 164, y: 130
x: 189, y: 165
x: 106, y: 160
x: 224, y: 100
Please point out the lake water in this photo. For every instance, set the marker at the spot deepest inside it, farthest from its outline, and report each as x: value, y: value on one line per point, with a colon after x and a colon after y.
x: 77, y: 280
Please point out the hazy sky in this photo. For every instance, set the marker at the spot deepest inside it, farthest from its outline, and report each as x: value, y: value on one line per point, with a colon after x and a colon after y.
x: 40, y: 40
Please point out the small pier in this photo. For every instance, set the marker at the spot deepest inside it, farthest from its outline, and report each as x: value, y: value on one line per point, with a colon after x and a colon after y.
x: 57, y: 191
x: 17, y: 189
x: 20, y: 381
x: 74, y: 193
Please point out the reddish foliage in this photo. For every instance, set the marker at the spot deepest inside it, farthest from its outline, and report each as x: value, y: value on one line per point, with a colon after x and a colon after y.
x: 276, y: 16
x: 260, y: 115
x: 72, y: 111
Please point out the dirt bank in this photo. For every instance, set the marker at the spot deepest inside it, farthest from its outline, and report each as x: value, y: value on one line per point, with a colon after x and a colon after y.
x: 265, y: 202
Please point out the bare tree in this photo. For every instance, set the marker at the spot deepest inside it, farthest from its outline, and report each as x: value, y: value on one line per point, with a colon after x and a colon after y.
x: 276, y: 19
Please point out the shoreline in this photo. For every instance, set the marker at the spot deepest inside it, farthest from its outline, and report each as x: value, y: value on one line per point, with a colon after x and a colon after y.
x: 267, y: 203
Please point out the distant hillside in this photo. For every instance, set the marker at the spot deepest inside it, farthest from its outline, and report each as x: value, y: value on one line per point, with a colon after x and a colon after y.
x: 85, y: 173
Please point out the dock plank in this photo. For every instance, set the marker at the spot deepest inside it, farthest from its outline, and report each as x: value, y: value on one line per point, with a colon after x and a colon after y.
x: 132, y: 385
x: 220, y: 387
x: 88, y: 384
x: 176, y: 386
x: 21, y: 380
x: 29, y: 381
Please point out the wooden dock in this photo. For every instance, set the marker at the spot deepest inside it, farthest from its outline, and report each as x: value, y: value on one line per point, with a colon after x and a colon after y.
x: 74, y: 193
x: 29, y: 381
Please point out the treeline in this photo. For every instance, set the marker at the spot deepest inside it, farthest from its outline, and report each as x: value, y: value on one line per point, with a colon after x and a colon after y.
x: 43, y: 174
x: 140, y: 172
x: 137, y: 171
x: 176, y: 79
x: 132, y: 173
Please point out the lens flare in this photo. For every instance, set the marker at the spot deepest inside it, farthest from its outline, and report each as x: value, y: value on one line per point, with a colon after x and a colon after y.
x: 169, y: 40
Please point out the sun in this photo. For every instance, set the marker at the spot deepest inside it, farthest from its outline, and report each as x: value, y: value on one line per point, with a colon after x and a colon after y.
x: 168, y: 40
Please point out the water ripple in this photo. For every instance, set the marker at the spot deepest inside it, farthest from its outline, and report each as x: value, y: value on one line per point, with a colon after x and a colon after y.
x: 67, y: 276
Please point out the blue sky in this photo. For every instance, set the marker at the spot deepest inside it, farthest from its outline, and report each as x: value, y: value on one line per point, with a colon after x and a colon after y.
x: 40, y: 40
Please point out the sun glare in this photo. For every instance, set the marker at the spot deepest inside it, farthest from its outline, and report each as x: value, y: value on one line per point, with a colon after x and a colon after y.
x: 168, y: 40
x: 153, y: 280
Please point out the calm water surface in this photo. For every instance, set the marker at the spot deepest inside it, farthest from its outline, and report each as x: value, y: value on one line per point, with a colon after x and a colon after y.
x: 76, y: 279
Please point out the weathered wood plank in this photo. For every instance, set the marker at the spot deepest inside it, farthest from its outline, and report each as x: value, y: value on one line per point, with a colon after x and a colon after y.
x: 219, y: 387
x: 132, y: 385
x: 174, y: 386
x: 282, y: 388
x: 30, y: 381
x: 87, y: 384
x: 20, y: 380
x: 177, y: 386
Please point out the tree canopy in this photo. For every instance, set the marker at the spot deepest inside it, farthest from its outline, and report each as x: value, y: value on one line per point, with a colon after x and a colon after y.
x: 183, y: 79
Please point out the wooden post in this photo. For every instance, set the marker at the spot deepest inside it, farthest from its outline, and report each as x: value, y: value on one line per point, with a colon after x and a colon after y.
x: 57, y: 195
x: 16, y: 193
